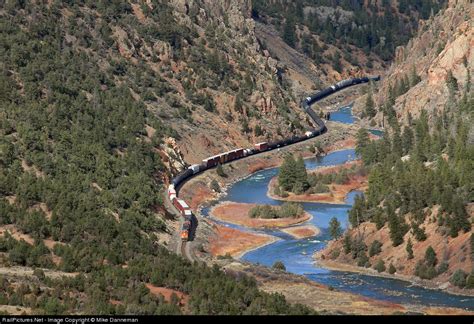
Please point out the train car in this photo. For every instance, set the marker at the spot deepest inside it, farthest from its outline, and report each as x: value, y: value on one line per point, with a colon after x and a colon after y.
x: 248, y: 152
x: 239, y: 153
x: 181, y: 205
x: 181, y: 177
x: 211, y: 161
x: 184, y: 235
x: 261, y: 146
x: 195, y: 168
x: 171, y: 190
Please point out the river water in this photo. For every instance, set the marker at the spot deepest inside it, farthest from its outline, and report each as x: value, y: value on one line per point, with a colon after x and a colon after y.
x: 296, y: 254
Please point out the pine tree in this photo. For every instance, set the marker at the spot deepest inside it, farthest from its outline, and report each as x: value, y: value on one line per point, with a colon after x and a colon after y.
x: 451, y: 82
x: 347, y: 243
x: 407, y: 140
x: 370, y: 111
x: 362, y: 141
x: 335, y: 229
x: 397, y: 230
x: 301, y: 175
x: 430, y: 257
x: 286, y: 174
x: 289, y: 35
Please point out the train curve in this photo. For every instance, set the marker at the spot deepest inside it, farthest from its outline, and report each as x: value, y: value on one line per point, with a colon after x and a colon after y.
x: 189, y: 223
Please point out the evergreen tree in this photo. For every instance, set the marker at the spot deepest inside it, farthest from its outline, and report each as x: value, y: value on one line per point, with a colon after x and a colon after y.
x: 289, y: 35
x: 300, y: 175
x: 347, y: 243
x: 396, y: 227
x: 335, y: 229
x: 452, y: 83
x: 220, y: 171
x: 430, y: 257
x: 407, y: 140
x: 370, y: 111
x: 286, y: 173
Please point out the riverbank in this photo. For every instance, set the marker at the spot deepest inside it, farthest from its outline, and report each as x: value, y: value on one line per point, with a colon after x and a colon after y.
x: 339, y: 266
x: 238, y: 214
x: 325, y: 299
x: 337, y: 192
x: 334, y: 258
x: 231, y: 242
x: 197, y: 193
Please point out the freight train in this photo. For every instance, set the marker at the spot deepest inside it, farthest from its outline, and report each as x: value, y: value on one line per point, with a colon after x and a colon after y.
x: 240, y: 153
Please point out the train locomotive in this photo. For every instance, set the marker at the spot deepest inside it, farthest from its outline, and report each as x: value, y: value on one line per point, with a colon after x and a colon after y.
x: 239, y: 153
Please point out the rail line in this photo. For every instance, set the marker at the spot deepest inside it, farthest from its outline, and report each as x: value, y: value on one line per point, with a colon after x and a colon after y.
x: 188, y: 227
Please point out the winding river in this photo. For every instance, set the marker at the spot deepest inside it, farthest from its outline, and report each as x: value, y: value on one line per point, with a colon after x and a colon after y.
x: 296, y: 254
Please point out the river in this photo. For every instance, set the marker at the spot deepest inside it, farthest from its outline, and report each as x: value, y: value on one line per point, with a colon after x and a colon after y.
x: 297, y: 254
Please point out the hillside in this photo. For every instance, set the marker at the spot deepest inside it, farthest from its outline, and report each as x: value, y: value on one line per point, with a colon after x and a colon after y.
x: 432, y: 69
x: 93, y: 98
x: 416, y: 218
x: 345, y: 37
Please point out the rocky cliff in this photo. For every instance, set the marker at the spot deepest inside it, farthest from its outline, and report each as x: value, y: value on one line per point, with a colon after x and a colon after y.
x: 443, y: 44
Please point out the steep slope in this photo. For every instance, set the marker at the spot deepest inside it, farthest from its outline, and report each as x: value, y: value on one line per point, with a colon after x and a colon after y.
x: 416, y: 218
x: 422, y: 73
x: 93, y: 95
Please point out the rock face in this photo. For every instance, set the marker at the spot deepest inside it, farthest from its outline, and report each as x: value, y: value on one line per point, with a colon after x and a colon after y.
x: 252, y: 67
x: 444, y: 43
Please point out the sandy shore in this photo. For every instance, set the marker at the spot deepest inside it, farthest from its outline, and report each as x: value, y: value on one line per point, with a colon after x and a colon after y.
x: 238, y: 213
x: 233, y: 242
x: 303, y: 231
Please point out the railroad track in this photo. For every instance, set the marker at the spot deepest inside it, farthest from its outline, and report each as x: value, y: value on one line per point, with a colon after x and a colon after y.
x: 188, y: 220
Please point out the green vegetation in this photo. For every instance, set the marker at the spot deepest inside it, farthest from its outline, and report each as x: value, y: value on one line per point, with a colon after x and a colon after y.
x: 375, y: 28
x: 375, y: 248
x: 73, y: 137
x: 402, y: 189
x: 409, y: 250
x: 392, y: 269
x: 380, y: 266
x: 293, y: 177
x: 426, y: 269
x: 215, y: 186
x: 279, y: 266
x: 459, y: 278
x: 335, y: 229
x: 220, y: 171
x: 287, y: 210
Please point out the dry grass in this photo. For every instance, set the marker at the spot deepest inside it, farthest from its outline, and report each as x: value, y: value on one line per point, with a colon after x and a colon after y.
x: 229, y: 241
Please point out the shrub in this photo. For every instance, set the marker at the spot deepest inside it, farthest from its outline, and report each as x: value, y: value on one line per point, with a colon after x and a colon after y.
x: 220, y: 171
x: 380, y: 266
x: 375, y: 248
x: 392, y: 269
x: 430, y: 257
x: 335, y: 254
x: 363, y: 260
x: 279, y: 266
x: 458, y: 278
x: 424, y: 271
x: 443, y: 267
x: 215, y: 186
x: 470, y: 281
